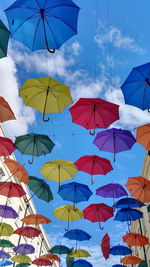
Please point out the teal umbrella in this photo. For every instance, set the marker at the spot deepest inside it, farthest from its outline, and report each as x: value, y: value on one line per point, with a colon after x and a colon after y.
x: 34, y: 144
x: 69, y: 261
x: 60, y: 249
x: 4, y: 37
x: 22, y: 265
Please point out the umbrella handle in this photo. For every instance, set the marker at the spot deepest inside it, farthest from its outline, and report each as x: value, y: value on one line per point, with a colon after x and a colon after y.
x: 51, y: 50
x: 101, y: 227
x: 92, y: 132
x: 30, y: 161
x: 45, y: 120
x: 148, y: 110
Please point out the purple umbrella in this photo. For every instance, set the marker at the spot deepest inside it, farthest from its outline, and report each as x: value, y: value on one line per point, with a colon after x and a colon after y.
x: 8, y: 212
x: 111, y: 191
x: 114, y: 140
x: 24, y: 249
x: 4, y: 255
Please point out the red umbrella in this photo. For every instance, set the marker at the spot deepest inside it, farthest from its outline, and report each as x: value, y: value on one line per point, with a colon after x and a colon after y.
x: 98, y: 213
x: 6, y: 112
x: 42, y: 262
x: 93, y: 164
x: 10, y: 189
x: 28, y: 231
x: 92, y: 113
x: 105, y: 246
x: 6, y: 146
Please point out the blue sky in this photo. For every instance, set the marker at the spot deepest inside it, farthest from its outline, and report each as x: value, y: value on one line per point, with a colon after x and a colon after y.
x: 111, y: 40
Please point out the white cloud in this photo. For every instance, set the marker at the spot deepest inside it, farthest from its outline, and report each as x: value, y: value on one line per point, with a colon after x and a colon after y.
x: 76, y: 48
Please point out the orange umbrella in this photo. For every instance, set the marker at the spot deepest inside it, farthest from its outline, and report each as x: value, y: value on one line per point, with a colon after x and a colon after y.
x: 139, y: 187
x: 50, y: 257
x: 134, y: 239
x: 131, y: 260
x: 17, y: 170
x: 35, y: 219
x: 6, y: 112
x: 143, y: 135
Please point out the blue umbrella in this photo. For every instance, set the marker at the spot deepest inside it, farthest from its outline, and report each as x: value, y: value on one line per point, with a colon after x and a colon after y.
x: 120, y: 250
x: 119, y: 265
x: 128, y: 202
x: 75, y: 192
x: 81, y: 263
x: 40, y: 24
x: 5, y: 263
x: 136, y: 88
x: 77, y: 234
x: 128, y: 215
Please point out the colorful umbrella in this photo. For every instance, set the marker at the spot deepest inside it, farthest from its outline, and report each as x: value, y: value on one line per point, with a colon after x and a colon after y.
x: 120, y: 250
x: 68, y: 213
x: 34, y: 144
x: 6, y: 112
x: 17, y: 170
x: 5, y: 263
x: 92, y: 113
x: 98, y: 213
x: 77, y: 234
x: 21, y: 259
x: 143, y: 135
x: 128, y: 215
x: 51, y: 24
x: 4, y: 255
x: 105, y: 246
x: 69, y: 261
x: 35, y: 219
x: 6, y: 146
x: 128, y: 202
x: 81, y: 263
x: 10, y: 189
x: 28, y: 231
x: 131, y: 260
x: 135, y: 239
x: 8, y: 212
x: 22, y: 265
x: 119, y: 265
x: 136, y: 87
x: 59, y: 170
x: 6, y: 229
x: 75, y: 192
x: 50, y: 257
x: 5, y: 243
x: 40, y: 188
x: 24, y: 249
x: 111, y: 191
x: 79, y: 253
x: 114, y: 140
x: 46, y: 95
x: 143, y: 264
x: 139, y: 187
x: 42, y: 262
x: 4, y: 38
x: 93, y: 165
x: 60, y: 249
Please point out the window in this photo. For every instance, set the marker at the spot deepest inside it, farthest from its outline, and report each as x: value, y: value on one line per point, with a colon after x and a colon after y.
x: 2, y: 174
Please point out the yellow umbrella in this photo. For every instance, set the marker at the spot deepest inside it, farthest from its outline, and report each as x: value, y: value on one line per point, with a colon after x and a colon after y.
x: 46, y: 95
x: 68, y: 213
x: 6, y: 229
x: 79, y: 253
x: 59, y: 170
x: 21, y: 259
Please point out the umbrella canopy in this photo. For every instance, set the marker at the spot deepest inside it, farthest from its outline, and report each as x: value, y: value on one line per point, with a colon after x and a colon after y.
x: 24, y: 249
x: 5, y: 243
x: 93, y: 165
x: 131, y: 260
x: 77, y: 234
x: 8, y: 212
x: 120, y: 250
x: 135, y: 239
x: 51, y: 24
x: 5, y: 263
x: 34, y: 144
x: 98, y: 213
x: 17, y: 170
x: 143, y: 135
x: 143, y: 264
x: 111, y: 191
x: 6, y: 147
x: 139, y: 188
x: 28, y: 231
x: 21, y: 259
x: 50, y: 257
x: 42, y: 262
x: 136, y: 87
x: 60, y: 249
x: 59, y: 170
x: 4, y: 255
x: 105, y: 246
x: 79, y: 253
x: 6, y: 229
x: 81, y: 263
x: 35, y: 219
x: 10, y: 189
x: 114, y: 140
x: 22, y: 265
x: 69, y: 261
x: 4, y: 38
x: 92, y: 113
x: 128, y: 215
x: 128, y: 202
x: 68, y: 213
x: 118, y: 265
x: 6, y: 112
x: 40, y: 188
x: 75, y: 192
x: 46, y: 95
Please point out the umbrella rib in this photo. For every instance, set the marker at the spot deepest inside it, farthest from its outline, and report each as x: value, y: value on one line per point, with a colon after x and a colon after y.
x: 144, y: 94
x: 126, y: 83
x: 120, y: 137
x: 139, y: 72
x: 51, y: 32
x: 136, y: 89
x: 105, y: 141
x: 35, y: 32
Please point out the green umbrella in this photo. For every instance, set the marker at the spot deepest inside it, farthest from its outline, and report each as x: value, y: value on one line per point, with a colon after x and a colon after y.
x: 40, y: 188
x: 34, y: 144
x: 22, y: 265
x: 60, y: 249
x: 6, y: 243
x: 4, y: 37
x: 143, y: 264
x: 69, y: 261
x: 148, y: 208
